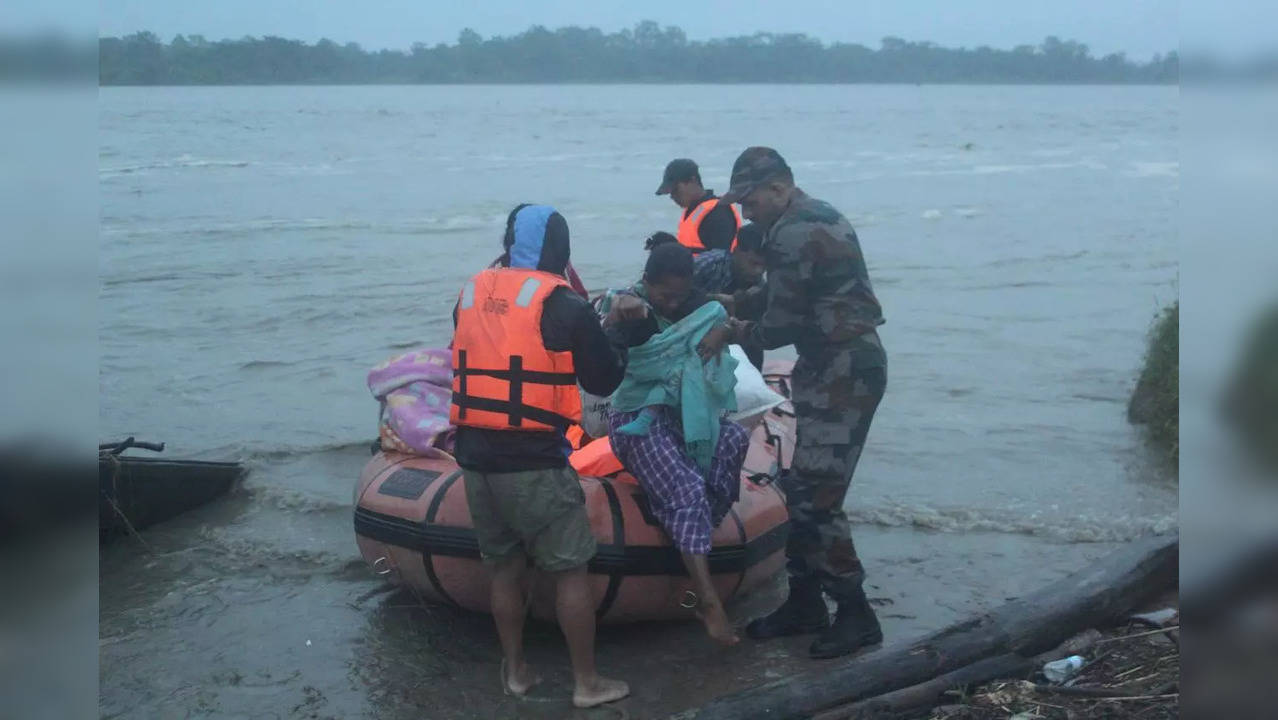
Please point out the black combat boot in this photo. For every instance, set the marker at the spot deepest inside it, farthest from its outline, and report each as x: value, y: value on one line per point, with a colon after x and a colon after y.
x: 855, y: 626
x: 803, y: 612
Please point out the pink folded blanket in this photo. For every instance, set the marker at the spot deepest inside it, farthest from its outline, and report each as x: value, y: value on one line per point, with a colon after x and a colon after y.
x: 415, y: 390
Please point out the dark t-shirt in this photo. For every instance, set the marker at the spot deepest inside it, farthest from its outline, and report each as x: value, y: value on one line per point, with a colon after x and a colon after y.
x: 719, y: 227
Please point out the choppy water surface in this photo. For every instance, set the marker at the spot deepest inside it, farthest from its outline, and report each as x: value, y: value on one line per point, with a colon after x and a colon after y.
x: 261, y: 248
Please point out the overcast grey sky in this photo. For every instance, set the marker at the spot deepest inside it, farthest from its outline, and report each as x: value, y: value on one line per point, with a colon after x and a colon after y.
x: 1138, y: 27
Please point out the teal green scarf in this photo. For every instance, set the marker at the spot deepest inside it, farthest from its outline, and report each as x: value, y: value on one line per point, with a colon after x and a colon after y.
x: 666, y: 370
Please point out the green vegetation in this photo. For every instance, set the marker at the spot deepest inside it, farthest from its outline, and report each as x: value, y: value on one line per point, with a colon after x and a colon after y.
x: 646, y: 54
x: 1156, y: 401
x: 1251, y: 402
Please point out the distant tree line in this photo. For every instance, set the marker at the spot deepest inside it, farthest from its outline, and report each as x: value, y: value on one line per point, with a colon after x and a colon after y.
x: 46, y: 57
x: 647, y: 53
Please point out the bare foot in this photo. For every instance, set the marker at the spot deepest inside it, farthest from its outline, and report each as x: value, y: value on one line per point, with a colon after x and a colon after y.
x: 520, y: 681
x: 717, y: 625
x: 601, y: 691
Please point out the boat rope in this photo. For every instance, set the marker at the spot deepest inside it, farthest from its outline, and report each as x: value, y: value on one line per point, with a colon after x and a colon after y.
x: 115, y: 490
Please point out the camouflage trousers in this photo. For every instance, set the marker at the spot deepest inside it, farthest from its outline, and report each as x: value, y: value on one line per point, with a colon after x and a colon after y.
x: 833, y: 407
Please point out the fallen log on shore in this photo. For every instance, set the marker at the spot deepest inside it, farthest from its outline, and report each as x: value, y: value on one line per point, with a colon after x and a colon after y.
x: 1098, y: 595
x: 926, y: 694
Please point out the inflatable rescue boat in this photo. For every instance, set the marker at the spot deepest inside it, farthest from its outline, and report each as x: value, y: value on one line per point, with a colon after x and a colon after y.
x: 413, y: 527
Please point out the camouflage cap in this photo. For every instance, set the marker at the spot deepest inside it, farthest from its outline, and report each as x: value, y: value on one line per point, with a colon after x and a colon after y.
x: 755, y: 166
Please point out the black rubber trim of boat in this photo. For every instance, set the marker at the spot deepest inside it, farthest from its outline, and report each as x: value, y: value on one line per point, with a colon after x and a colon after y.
x: 428, y: 557
x: 448, y: 541
x: 742, y: 534
x: 618, y: 540
x: 780, y: 493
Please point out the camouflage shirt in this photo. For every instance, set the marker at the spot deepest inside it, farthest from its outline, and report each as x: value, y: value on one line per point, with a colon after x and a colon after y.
x: 818, y: 291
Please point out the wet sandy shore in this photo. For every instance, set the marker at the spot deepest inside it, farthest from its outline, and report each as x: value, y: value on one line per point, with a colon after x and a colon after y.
x: 260, y: 607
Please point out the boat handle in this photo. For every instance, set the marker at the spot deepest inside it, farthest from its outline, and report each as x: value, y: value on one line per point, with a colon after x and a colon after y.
x: 383, y: 560
x: 129, y: 442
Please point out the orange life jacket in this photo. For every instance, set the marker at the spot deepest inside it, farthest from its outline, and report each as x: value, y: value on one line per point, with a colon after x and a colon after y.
x: 576, y: 437
x: 595, y: 459
x: 504, y: 378
x: 690, y: 227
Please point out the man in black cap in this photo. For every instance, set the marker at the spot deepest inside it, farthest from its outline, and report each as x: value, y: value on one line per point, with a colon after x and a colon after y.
x: 819, y: 299
x: 707, y: 223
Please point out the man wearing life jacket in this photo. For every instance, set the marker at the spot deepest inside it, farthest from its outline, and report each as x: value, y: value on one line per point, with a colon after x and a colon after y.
x: 570, y: 273
x: 523, y: 342
x: 707, y: 222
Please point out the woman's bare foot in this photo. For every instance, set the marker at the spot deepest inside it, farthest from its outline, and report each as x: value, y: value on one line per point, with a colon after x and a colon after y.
x: 600, y: 691
x: 717, y: 625
x: 519, y: 681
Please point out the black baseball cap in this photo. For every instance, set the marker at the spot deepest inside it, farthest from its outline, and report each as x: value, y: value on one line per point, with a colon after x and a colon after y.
x: 677, y: 170
x: 754, y: 166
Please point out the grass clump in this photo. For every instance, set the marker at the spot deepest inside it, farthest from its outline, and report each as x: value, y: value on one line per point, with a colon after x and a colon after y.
x: 1155, y: 403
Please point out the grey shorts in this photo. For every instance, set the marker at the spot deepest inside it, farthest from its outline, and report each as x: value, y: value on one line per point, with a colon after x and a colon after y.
x: 540, y: 514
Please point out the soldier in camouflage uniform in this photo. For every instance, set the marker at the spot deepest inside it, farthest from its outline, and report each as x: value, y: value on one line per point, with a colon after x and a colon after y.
x: 819, y: 299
